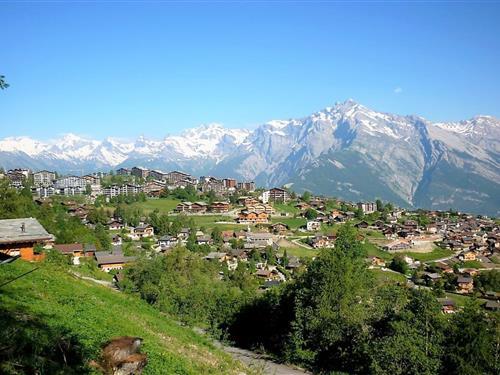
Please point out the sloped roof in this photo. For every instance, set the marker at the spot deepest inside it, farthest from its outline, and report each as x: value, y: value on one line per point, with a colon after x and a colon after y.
x: 11, y: 231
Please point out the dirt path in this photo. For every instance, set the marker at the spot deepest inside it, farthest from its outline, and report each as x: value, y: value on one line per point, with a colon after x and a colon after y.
x: 261, y: 363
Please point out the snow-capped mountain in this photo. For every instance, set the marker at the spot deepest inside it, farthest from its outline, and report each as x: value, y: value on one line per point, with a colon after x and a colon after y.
x: 347, y: 150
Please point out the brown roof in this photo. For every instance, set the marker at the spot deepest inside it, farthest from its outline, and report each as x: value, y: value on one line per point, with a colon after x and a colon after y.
x: 69, y: 248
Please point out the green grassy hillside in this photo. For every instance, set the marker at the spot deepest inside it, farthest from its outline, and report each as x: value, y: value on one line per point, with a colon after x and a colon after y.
x: 55, y: 323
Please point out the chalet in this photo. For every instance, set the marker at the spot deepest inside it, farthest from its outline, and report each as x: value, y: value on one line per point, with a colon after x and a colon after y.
x: 221, y: 257
x: 167, y: 242
x: 183, y: 234
x: 142, y: 231
x: 89, y: 250
x: 204, y: 240
x: 74, y: 249
x: 362, y: 224
x: 302, y: 206
x: 443, y: 267
x: 247, y: 201
x: 465, y: 284
x: 115, y: 225
x: 492, y: 305
x: 261, y: 207
x: 410, y: 225
x: 322, y: 241
x: 293, y: 263
x: 279, y: 228
x: 260, y: 239
x: 153, y: 188
x: 18, y: 237
x: 397, y: 245
x: 313, y: 225
x: 116, y: 239
x: 252, y: 217
x: 447, y: 305
x: 431, y: 277
x: 468, y: 256
x: 195, y: 208
x: 219, y: 207
x: 115, y: 260
x: 376, y: 261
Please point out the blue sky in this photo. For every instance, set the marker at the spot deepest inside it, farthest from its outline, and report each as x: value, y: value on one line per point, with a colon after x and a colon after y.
x: 125, y: 69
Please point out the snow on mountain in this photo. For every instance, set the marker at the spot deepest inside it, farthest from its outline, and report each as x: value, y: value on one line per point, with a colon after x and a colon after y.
x: 347, y: 150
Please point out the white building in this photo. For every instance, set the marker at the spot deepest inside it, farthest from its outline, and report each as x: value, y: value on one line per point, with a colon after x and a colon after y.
x: 44, y: 178
x: 71, y: 182
x: 313, y: 225
x: 264, y: 197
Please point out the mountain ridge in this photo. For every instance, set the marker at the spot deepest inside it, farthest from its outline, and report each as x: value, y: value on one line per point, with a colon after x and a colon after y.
x: 406, y: 156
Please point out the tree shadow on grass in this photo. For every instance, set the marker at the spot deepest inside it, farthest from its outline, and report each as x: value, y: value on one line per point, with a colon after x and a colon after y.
x: 28, y: 345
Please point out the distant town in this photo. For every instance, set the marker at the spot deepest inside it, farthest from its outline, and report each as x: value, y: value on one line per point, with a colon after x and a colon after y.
x: 234, y: 221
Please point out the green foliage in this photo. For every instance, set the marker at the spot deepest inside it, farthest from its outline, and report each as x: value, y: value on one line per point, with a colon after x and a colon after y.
x: 306, y: 196
x: 331, y: 305
x: 473, y: 342
x: 410, y: 341
x: 311, y: 214
x: 54, y: 323
x: 488, y: 281
x: 398, y: 264
x: 185, y: 285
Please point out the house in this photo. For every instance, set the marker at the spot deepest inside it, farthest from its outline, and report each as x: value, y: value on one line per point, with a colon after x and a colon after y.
x: 468, y: 256
x: 260, y: 239
x: 252, y: 217
x: 115, y: 225
x: 443, y: 267
x: 319, y: 241
x: 258, y: 207
x: 492, y: 305
x: 363, y: 224
x: 167, y: 242
x: 219, y: 256
x: 431, y: 277
x: 302, y: 206
x: 195, y: 208
x: 465, y: 284
x: 313, y: 225
x: 116, y: 239
x: 183, y: 234
x: 74, y: 249
x: 115, y: 260
x: 376, y: 261
x: 397, y: 245
x: 219, y: 207
x: 204, y: 240
x: 279, y: 228
x: 142, y: 231
x: 18, y: 237
x: 447, y: 305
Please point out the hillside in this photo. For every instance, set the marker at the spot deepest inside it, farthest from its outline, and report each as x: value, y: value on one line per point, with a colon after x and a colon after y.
x: 49, y: 317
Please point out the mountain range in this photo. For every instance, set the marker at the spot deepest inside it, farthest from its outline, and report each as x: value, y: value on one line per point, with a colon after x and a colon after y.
x: 347, y: 150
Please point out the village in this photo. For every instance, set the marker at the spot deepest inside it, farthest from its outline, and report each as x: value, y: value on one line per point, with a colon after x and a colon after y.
x: 274, y: 233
